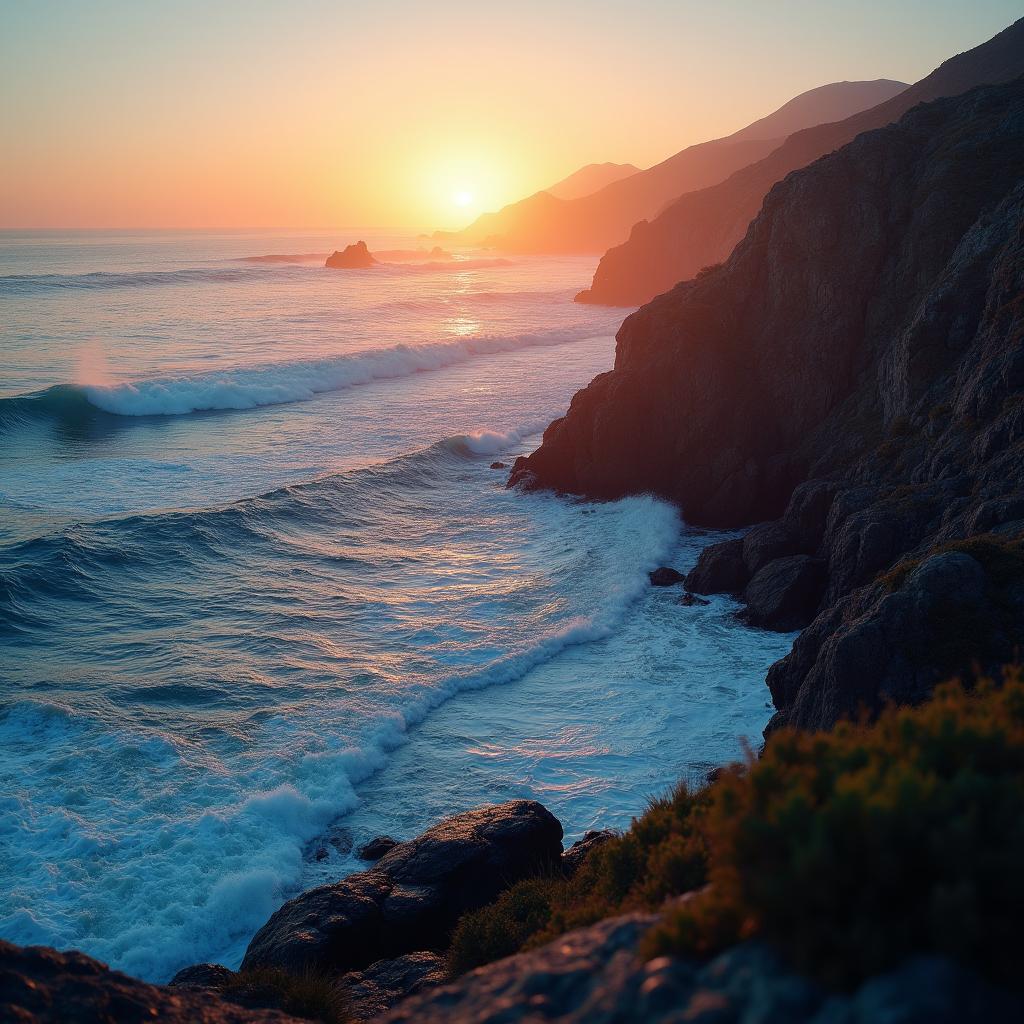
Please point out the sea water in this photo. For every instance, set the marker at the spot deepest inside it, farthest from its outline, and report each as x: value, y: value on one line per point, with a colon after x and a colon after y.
x: 259, y: 583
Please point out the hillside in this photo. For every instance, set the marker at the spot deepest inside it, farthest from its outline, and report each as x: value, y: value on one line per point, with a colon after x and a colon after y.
x: 589, y: 179
x: 544, y: 223
x: 701, y: 228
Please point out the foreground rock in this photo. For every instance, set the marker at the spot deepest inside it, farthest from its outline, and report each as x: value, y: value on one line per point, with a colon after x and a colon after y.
x: 414, y: 895
x: 41, y: 986
x: 386, y: 983
x: 852, y: 379
x: 593, y: 975
x: 353, y: 257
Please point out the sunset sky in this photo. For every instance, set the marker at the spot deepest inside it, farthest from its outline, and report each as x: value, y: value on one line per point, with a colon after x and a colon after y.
x: 413, y: 114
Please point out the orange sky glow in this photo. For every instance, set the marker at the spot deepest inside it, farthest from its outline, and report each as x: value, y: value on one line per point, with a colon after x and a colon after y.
x: 392, y: 113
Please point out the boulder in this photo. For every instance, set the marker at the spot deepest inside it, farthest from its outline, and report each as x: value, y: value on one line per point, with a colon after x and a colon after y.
x: 352, y: 257
x: 689, y: 600
x: 498, y: 465
x: 574, y: 857
x: 377, y: 847
x: 410, y: 900
x: 665, y: 577
x: 785, y: 593
x: 765, y: 543
x: 719, y: 570
x: 386, y: 983
x: 38, y: 985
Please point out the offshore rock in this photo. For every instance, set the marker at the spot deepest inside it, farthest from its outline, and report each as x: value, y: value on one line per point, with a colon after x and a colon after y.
x: 353, y: 257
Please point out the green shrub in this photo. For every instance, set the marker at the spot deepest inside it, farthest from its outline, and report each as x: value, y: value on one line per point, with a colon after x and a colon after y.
x: 853, y: 849
x: 662, y: 854
x: 505, y: 926
x: 308, y: 994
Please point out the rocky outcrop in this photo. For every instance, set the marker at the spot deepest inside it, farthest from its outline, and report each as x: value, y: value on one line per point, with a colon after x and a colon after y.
x: 594, y: 975
x: 41, y: 986
x: 353, y: 257
x: 412, y: 897
x: 853, y: 379
x: 701, y: 228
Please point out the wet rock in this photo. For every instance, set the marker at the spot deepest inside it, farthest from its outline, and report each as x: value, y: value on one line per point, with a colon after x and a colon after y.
x: 377, y: 847
x: 574, y: 857
x: 785, y: 593
x: 384, y: 984
x: 720, y: 569
x: 38, y: 985
x: 693, y: 601
x: 412, y: 897
x: 498, y: 465
x: 352, y: 257
x: 665, y: 577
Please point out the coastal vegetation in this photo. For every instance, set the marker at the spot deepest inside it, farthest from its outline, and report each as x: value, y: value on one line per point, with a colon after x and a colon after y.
x: 847, y: 851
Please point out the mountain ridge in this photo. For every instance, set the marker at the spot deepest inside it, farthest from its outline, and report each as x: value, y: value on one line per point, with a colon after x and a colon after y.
x: 701, y: 227
x: 544, y: 223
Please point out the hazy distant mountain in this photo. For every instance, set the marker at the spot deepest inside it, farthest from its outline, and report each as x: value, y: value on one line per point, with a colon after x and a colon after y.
x: 827, y: 103
x: 592, y: 223
x: 589, y: 179
x: 702, y: 227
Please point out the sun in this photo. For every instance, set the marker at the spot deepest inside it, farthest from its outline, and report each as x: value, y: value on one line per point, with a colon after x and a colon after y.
x: 462, y: 197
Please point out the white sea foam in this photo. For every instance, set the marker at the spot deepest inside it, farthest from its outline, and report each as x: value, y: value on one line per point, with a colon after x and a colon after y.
x: 279, y: 383
x: 157, y: 851
x: 491, y: 442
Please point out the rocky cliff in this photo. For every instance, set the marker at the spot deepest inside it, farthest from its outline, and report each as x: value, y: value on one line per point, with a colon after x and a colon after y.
x: 701, y: 228
x: 855, y: 371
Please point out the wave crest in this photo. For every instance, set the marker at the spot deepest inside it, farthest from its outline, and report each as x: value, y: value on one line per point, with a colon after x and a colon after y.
x: 274, y: 383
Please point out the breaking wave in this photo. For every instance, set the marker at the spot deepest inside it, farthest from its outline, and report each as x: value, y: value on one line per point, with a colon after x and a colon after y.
x: 271, y: 383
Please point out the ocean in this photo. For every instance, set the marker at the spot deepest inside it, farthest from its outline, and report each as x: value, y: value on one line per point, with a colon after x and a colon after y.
x: 262, y: 596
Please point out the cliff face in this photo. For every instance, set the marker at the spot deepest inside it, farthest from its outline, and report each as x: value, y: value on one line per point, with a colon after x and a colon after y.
x: 857, y: 368
x: 591, y: 223
x: 701, y: 228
